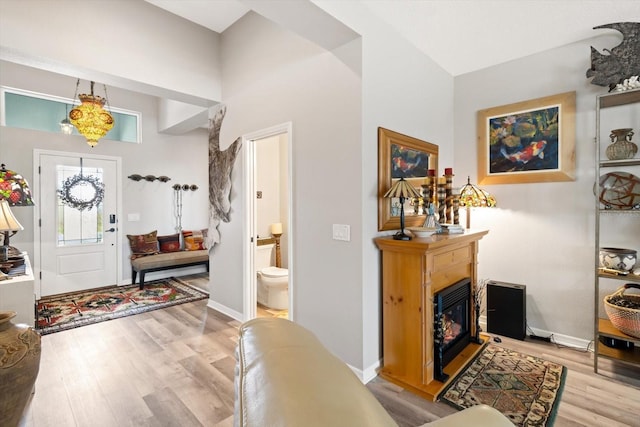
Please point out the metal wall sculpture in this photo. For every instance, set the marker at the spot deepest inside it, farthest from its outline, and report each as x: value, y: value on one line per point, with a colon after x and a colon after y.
x: 220, y: 168
x: 620, y: 62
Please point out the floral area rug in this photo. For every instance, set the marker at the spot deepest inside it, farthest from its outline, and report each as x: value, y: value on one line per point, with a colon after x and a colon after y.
x: 526, y: 389
x: 67, y: 311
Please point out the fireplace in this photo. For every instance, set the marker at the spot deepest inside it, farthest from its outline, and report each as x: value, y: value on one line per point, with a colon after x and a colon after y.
x: 452, y: 324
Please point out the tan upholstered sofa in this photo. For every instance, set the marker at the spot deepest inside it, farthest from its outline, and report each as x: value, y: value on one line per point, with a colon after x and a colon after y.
x: 285, y: 377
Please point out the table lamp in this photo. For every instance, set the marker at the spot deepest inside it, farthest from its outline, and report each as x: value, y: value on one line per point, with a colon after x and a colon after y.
x: 402, y: 190
x: 472, y: 196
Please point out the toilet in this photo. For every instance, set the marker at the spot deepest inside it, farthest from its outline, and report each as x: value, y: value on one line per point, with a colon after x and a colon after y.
x: 273, y: 282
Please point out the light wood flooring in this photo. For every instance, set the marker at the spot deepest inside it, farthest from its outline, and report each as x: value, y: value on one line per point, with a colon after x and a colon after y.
x: 175, y: 367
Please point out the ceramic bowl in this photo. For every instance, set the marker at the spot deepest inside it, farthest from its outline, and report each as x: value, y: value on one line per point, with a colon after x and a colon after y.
x: 422, y: 231
x: 618, y: 258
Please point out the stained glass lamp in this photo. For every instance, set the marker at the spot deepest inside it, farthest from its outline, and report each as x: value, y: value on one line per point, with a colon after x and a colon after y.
x: 14, y: 191
x: 402, y: 190
x: 472, y: 196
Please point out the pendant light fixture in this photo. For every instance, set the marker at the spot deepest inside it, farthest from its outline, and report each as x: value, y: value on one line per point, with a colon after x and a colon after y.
x: 90, y: 118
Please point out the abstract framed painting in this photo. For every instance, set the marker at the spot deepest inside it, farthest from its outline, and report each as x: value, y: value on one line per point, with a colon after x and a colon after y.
x: 529, y: 141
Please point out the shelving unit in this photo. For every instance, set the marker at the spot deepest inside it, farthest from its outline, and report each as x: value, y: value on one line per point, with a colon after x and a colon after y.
x: 627, y: 103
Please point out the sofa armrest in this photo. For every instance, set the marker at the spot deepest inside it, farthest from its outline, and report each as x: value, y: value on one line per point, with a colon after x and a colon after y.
x: 285, y: 377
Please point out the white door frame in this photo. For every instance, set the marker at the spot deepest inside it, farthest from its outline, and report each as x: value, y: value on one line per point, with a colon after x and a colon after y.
x: 35, y: 185
x: 250, y: 298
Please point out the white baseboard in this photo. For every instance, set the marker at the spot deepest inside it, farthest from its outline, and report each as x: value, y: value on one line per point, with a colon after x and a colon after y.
x: 236, y: 315
x: 557, y: 338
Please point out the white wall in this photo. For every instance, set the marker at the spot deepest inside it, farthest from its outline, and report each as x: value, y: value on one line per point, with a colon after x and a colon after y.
x: 542, y: 235
x: 321, y: 97
x: 183, y: 159
x: 129, y: 44
x: 404, y: 91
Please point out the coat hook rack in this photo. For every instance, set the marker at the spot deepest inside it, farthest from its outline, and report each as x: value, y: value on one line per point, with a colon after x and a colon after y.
x: 149, y: 178
x: 185, y: 187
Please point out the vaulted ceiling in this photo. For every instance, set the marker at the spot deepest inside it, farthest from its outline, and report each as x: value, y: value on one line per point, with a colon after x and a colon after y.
x: 460, y: 35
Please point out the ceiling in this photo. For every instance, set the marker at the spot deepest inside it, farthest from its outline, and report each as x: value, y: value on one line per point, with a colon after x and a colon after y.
x: 460, y: 35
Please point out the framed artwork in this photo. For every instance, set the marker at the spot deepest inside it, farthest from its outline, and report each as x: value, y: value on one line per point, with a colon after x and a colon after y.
x: 530, y: 141
x: 401, y: 156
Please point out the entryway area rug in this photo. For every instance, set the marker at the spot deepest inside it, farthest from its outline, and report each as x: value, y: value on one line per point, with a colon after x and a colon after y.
x: 526, y: 389
x: 67, y: 311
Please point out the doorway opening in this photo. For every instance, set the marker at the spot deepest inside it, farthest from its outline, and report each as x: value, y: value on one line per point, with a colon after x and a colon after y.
x: 268, y: 229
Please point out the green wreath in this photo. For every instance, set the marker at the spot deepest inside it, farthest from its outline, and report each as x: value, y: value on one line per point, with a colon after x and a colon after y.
x: 73, y: 183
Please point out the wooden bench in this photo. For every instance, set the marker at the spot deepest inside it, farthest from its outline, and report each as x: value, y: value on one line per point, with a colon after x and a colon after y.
x: 167, y: 261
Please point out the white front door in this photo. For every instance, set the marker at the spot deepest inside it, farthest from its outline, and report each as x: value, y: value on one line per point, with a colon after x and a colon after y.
x: 78, y: 231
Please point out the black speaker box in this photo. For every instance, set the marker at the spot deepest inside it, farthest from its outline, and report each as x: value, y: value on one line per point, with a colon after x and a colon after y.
x: 507, y: 309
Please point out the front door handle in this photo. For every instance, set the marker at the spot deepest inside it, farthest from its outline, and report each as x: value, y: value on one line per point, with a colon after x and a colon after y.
x: 111, y: 230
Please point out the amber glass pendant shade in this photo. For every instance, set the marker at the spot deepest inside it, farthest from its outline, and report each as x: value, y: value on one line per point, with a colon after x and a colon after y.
x: 90, y: 118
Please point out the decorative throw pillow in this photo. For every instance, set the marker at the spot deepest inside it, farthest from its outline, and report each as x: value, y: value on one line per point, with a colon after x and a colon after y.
x: 170, y: 243
x: 143, y: 244
x: 194, y: 240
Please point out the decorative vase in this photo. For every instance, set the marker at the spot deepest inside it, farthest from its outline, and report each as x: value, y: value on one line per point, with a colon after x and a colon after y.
x: 621, y: 148
x: 19, y: 365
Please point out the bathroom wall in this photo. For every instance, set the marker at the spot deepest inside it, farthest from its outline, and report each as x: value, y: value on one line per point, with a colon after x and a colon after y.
x: 272, y: 180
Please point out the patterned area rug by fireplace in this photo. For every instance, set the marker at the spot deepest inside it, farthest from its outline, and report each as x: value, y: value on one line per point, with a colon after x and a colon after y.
x: 67, y: 311
x: 524, y: 388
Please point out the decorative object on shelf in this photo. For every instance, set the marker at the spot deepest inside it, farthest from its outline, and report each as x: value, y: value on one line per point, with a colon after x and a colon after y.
x: 623, y: 310
x: 422, y: 231
x: 14, y: 188
x: 432, y: 221
x: 82, y: 191
x: 9, y: 226
x: 276, y: 232
x: 402, y: 156
x: 19, y: 366
x: 90, y: 118
x: 402, y: 190
x: 617, y: 258
x: 631, y: 83
x: 621, y: 148
x: 529, y: 141
x: 472, y: 196
x: 619, y: 62
x: 619, y: 190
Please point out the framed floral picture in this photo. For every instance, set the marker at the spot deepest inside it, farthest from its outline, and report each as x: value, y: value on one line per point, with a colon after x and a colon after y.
x: 530, y: 141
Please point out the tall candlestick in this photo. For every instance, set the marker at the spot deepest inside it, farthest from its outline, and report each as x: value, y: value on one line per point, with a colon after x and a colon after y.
x: 448, y: 176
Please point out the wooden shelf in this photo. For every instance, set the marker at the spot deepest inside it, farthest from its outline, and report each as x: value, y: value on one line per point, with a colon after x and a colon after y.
x: 628, y: 278
x: 619, y: 98
x: 606, y: 329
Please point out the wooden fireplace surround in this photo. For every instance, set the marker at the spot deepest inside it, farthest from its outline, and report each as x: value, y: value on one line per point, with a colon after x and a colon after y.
x: 412, y: 272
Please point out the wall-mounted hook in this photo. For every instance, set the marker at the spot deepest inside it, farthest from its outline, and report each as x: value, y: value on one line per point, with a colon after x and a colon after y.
x: 185, y: 187
x: 177, y: 187
x: 164, y: 178
x: 135, y: 177
x: 150, y: 178
x: 193, y: 187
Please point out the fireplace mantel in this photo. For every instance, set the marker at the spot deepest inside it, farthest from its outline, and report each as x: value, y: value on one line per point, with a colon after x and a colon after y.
x: 412, y: 272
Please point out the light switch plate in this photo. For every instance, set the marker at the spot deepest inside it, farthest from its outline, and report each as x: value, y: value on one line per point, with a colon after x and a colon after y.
x: 341, y: 232
x: 133, y: 217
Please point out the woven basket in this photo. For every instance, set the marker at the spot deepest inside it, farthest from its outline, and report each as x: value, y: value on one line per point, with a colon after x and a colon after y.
x: 625, y: 319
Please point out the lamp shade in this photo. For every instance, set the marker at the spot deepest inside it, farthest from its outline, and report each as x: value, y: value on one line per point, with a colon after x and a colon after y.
x: 90, y: 118
x: 8, y: 222
x: 401, y: 188
x: 472, y: 196
x: 14, y: 188
x: 276, y: 228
